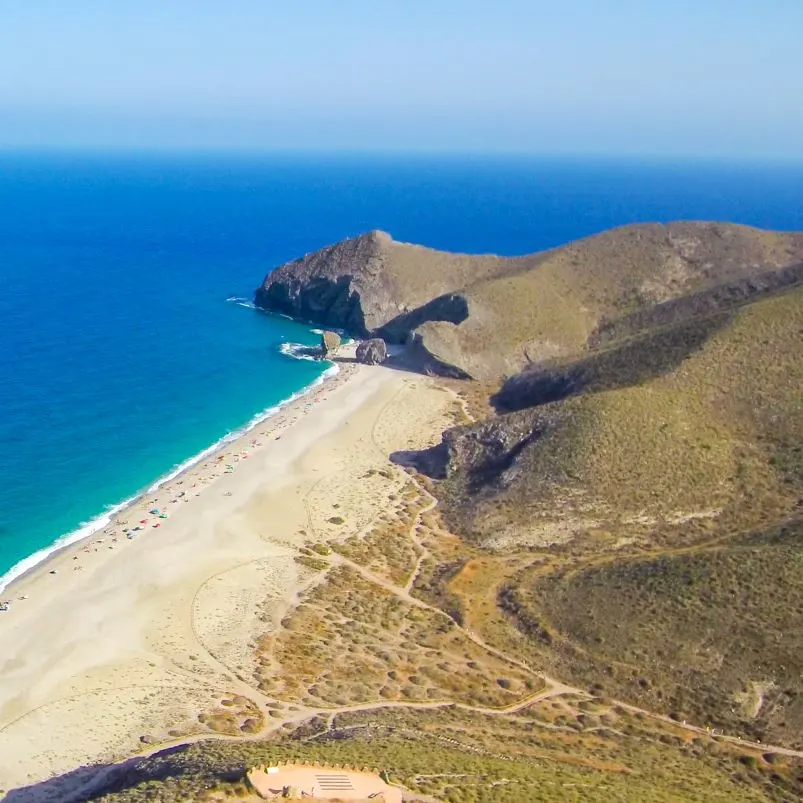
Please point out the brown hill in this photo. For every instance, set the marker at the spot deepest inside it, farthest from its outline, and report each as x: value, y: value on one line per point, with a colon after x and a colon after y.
x: 655, y: 485
x: 692, y: 422
x: 487, y: 316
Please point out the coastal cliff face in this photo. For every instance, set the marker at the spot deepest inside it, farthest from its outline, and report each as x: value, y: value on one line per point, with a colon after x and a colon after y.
x: 325, y: 286
x: 488, y: 317
x: 371, y: 285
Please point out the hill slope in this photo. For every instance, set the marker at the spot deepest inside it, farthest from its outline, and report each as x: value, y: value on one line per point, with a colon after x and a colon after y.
x: 487, y: 316
x: 710, y: 633
x: 699, y: 420
x: 655, y: 484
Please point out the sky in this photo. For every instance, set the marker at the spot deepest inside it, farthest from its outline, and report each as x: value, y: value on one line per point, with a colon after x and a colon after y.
x: 711, y: 78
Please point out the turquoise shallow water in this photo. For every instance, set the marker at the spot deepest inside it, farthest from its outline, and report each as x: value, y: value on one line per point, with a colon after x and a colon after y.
x: 124, y: 349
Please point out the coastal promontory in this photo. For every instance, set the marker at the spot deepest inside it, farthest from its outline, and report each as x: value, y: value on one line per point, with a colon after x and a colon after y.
x: 486, y: 317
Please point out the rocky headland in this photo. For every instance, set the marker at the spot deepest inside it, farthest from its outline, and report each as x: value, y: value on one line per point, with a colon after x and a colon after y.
x: 487, y: 317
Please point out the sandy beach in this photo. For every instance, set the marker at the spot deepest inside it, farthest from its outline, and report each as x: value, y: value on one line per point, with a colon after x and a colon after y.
x: 117, y: 642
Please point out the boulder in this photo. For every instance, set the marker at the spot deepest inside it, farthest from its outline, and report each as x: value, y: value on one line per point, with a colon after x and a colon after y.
x: 330, y: 343
x: 372, y: 352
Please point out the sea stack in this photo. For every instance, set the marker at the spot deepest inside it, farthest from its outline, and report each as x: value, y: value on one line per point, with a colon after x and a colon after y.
x: 330, y: 343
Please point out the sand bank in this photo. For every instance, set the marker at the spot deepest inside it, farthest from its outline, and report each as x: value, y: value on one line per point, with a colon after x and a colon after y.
x: 136, y: 630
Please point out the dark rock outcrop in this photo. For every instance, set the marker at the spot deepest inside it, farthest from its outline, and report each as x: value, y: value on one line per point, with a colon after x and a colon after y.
x: 449, y: 308
x: 372, y: 352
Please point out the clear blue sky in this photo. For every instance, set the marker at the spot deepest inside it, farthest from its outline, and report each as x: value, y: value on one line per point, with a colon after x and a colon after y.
x: 703, y: 77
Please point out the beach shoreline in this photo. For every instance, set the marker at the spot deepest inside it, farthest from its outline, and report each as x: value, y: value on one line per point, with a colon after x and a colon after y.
x: 13, y: 578
x: 114, y: 643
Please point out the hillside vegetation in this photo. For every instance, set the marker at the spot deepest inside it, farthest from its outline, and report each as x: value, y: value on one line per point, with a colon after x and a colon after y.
x: 672, y: 434
x: 552, y: 764
x: 711, y: 634
x: 640, y: 514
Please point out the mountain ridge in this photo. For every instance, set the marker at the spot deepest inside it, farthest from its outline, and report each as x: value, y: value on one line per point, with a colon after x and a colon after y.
x: 486, y: 316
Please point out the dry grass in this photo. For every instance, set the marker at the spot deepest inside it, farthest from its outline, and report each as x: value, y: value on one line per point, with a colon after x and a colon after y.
x: 387, y: 548
x: 350, y: 641
x: 234, y: 715
x: 690, y: 633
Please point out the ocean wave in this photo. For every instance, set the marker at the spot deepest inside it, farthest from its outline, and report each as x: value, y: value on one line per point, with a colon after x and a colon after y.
x: 85, y: 529
x: 242, y: 302
x: 298, y: 351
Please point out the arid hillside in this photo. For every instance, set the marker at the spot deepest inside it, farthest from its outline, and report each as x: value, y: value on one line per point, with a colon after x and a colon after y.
x: 486, y: 317
x: 700, y: 421
x: 656, y: 482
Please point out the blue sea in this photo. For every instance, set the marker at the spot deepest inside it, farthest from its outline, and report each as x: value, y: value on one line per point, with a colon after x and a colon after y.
x: 127, y: 341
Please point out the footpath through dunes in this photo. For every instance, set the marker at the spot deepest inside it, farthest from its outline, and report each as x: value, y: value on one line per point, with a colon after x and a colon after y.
x: 487, y: 317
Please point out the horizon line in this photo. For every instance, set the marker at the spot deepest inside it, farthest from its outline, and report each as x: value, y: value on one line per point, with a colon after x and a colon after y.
x: 378, y: 152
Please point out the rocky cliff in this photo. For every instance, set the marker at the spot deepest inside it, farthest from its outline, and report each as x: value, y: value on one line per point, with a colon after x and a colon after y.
x: 487, y: 317
x: 373, y: 285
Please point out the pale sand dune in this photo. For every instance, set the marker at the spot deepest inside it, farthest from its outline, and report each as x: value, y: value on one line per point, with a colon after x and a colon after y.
x: 148, y: 634
x: 229, y: 609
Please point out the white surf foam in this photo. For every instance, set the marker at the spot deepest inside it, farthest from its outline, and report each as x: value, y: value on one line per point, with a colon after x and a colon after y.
x: 297, y: 351
x: 96, y: 524
x: 240, y: 301
x: 85, y: 529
